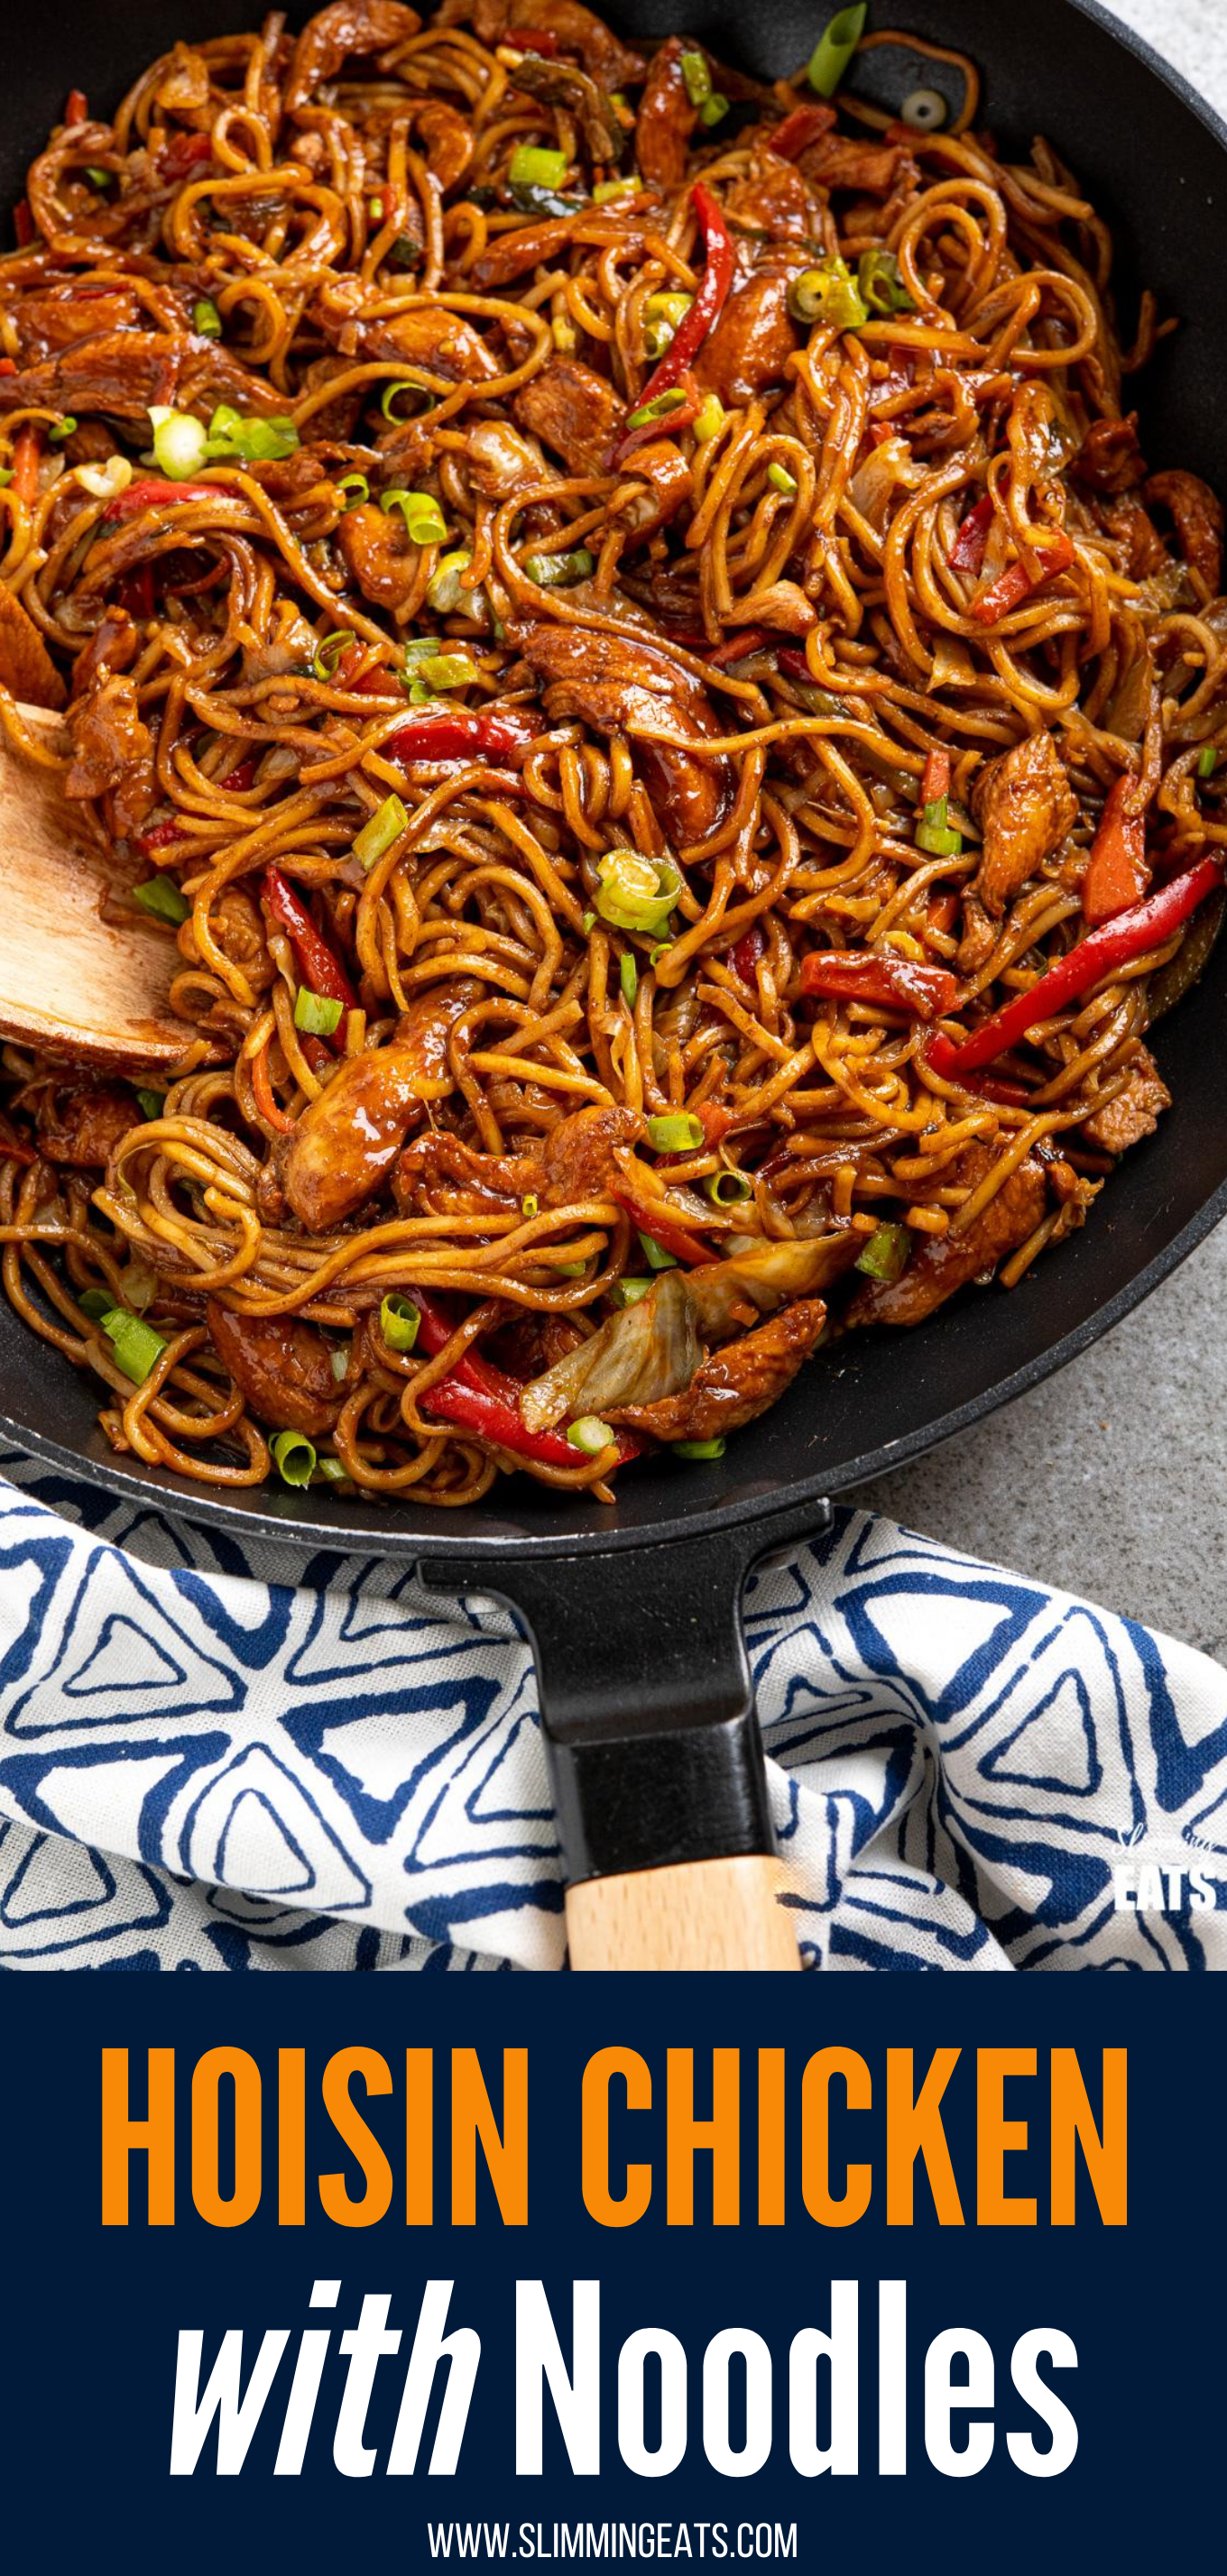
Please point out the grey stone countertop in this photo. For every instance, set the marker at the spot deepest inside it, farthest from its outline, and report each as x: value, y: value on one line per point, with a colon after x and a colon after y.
x: 1111, y: 1479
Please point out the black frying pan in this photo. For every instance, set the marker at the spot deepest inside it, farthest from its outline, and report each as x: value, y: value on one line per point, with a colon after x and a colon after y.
x: 635, y: 1612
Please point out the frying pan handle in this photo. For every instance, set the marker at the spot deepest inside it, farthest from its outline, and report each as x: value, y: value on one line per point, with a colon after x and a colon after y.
x: 656, y: 1764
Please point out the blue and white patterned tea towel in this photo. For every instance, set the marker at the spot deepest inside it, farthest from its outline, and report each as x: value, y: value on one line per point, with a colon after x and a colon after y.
x: 212, y: 1759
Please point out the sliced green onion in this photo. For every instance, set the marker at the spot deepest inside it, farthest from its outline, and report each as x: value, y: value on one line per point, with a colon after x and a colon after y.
x: 445, y: 593
x: 533, y: 166
x: 886, y: 1254
x: 710, y: 421
x: 628, y: 977
x: 136, y: 1346
x: 700, y: 1449
x: 163, y: 898
x: 926, y: 109
x: 590, y: 1434
x: 374, y: 208
x: 637, y: 893
x: 587, y: 922
x: 327, y: 655
x: 97, y: 1302
x: 333, y: 1470
x: 1206, y: 759
x: 835, y: 49
x: 377, y: 835
x: 253, y: 442
x: 358, y: 485
x: 727, y: 1188
x: 180, y: 442
x: 403, y: 385
x: 672, y: 399
x: 152, y: 1102
x: 607, y: 188
x: 696, y: 72
x: 317, y: 1013
x: 661, y: 949
x: 6, y: 476
x: 679, y: 1133
x: 63, y: 429
x: 441, y: 671
x: 293, y: 1457
x: 627, y: 1292
x: 99, y: 178
x: 399, y: 1322
x: 654, y: 1253
x: 422, y: 516
x: 828, y: 293
x: 338, y: 1362
x: 714, y: 108
x: 558, y: 572
x: 881, y: 286
x: 570, y: 1269
x: 529, y: 1206
x: 206, y: 318
x: 934, y: 834
x: 780, y: 478
x: 662, y: 315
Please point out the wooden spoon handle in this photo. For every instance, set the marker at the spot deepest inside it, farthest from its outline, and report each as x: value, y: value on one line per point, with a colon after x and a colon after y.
x: 694, y: 1914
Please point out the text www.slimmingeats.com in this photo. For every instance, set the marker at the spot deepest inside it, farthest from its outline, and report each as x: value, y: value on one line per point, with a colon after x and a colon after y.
x: 486, y: 2540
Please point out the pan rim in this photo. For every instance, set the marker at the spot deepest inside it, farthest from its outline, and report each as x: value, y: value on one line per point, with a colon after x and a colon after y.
x: 148, y: 1489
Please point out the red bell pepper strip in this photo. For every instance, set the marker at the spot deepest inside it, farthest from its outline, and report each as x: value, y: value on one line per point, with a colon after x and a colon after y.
x: 799, y: 130
x: 150, y: 493
x: 794, y: 666
x: 897, y: 983
x: 27, y: 449
x: 967, y: 552
x: 533, y: 40
x: 735, y: 647
x: 476, y: 1396
x: 652, y: 1218
x: 651, y: 432
x: 936, y: 781
x: 234, y: 783
x: 182, y: 154
x: 76, y: 110
x: 1018, y: 582
x: 709, y: 300
x: 8, y: 366
x: 1100, y: 954
x: 23, y: 223
x: 745, y: 956
x: 458, y: 735
x: 1117, y: 875
x: 321, y: 970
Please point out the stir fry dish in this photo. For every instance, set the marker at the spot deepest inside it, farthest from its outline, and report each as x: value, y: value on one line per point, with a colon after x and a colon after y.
x: 618, y: 616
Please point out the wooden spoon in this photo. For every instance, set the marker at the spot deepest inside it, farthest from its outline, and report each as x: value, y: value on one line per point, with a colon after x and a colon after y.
x: 72, y: 984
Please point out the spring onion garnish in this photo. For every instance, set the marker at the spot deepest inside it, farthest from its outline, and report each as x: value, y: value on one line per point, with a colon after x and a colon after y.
x: 399, y: 1322
x: 445, y: 593
x: 881, y: 286
x: 780, y: 478
x: 6, y: 476
x: 700, y: 1449
x: 63, y: 429
x: 252, y: 442
x: 374, y: 208
x: 317, y: 1013
x: 558, y: 572
x: 714, y: 108
x: 672, y: 399
x: 327, y: 655
x: 654, y: 1253
x: 333, y: 1469
x: 206, y: 318
x: 662, y: 315
x: 835, y: 49
x: 696, y: 72
x: 1206, y: 759
x: 96, y: 1302
x: 357, y: 486
x: 935, y: 834
x: 152, y: 1102
x: 180, y: 442
x: 587, y: 922
x: 678, y: 1133
x: 607, y: 188
x: 136, y: 1346
x: 338, y: 1362
x: 628, y: 977
x: 926, y: 109
x: 637, y: 893
x: 293, y: 1457
x: 430, y: 674
x: 828, y: 293
x: 886, y: 1254
x: 105, y: 481
x: 421, y: 513
x: 98, y: 177
x: 627, y: 1292
x: 532, y: 166
x: 727, y: 1188
x: 590, y: 1434
x: 377, y: 835
x: 163, y: 898
x: 661, y: 949
x: 403, y: 385
x: 710, y: 421
x: 529, y: 1206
